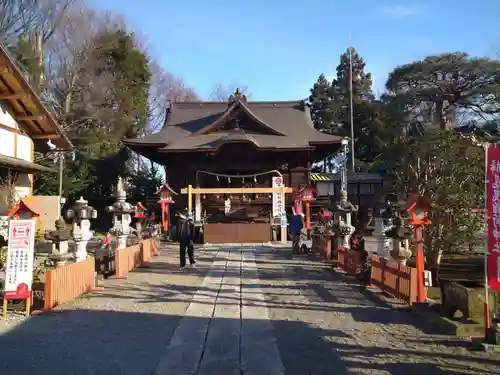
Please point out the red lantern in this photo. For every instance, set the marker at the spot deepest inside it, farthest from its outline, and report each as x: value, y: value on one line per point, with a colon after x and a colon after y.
x: 418, y: 208
x: 308, y: 193
x: 140, y: 211
x: 166, y: 197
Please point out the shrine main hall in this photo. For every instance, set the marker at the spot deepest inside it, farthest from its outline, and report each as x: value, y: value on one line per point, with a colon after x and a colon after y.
x: 234, y: 147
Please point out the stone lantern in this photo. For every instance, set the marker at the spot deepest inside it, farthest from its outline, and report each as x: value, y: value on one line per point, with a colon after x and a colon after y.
x: 59, y: 238
x: 343, y: 227
x: 122, y: 218
x: 80, y: 214
x: 401, y: 234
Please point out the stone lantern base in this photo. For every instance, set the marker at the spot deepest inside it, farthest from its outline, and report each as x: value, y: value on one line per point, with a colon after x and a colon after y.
x: 60, y: 259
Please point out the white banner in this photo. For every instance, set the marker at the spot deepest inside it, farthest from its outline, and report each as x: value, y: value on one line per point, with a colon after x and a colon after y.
x: 19, y: 270
x: 197, y: 208
x: 278, y: 204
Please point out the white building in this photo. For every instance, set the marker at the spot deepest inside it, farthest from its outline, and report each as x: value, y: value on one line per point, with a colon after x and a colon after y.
x: 26, y: 125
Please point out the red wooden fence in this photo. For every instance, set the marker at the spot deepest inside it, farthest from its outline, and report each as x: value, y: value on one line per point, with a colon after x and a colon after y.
x: 397, y: 280
x: 62, y: 284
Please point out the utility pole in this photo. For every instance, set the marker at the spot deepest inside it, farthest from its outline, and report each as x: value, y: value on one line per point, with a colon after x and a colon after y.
x: 351, y: 115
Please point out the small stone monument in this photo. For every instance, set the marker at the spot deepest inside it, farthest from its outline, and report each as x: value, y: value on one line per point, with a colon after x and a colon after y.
x: 80, y: 215
x: 122, y: 218
x: 59, y: 238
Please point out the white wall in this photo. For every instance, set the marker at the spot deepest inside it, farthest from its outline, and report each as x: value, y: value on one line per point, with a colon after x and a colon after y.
x: 6, y: 117
x: 8, y: 147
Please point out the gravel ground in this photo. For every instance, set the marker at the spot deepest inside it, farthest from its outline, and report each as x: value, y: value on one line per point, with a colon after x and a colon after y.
x: 326, y: 324
x: 123, y: 329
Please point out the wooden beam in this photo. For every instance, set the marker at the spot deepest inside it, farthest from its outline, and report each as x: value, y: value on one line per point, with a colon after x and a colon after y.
x: 29, y: 118
x: 7, y: 96
x: 6, y: 70
x: 237, y: 190
x: 45, y: 136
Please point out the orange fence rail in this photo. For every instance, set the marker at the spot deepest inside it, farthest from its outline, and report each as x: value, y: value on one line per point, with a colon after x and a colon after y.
x: 149, y: 249
x: 127, y: 259
x: 62, y: 284
x: 349, y: 261
x: 397, y: 280
x: 135, y: 256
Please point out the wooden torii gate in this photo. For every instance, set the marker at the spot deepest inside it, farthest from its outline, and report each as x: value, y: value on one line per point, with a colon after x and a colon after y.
x: 190, y: 190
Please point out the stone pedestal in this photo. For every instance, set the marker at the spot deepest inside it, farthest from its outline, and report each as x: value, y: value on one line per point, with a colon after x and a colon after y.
x: 60, y: 255
x: 401, y: 251
x: 82, y: 236
x: 121, y: 241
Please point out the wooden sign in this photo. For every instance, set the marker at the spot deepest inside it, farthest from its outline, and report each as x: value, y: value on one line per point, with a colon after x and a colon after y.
x: 19, y: 270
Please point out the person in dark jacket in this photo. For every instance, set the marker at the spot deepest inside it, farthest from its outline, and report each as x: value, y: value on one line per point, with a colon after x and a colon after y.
x: 296, y: 225
x: 186, y: 236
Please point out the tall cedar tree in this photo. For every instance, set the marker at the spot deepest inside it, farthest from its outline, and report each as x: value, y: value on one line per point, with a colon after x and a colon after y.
x: 367, y: 114
x: 324, y: 113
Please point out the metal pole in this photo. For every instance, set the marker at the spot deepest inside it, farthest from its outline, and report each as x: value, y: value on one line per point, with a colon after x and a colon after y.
x: 351, y: 109
x: 61, y: 169
x: 486, y: 289
x: 343, y: 181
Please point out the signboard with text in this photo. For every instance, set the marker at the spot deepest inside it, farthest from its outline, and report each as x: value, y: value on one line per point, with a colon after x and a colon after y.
x: 493, y: 202
x: 19, y: 269
x: 278, y: 204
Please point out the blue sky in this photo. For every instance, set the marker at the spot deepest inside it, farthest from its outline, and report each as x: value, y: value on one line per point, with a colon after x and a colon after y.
x: 278, y: 48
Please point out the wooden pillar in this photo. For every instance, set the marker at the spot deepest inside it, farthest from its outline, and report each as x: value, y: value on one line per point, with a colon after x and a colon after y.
x: 308, y: 215
x: 283, y: 228
x: 308, y: 219
x: 419, y: 242
x: 190, y: 199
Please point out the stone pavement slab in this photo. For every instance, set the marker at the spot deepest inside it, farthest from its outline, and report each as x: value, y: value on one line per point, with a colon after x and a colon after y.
x: 230, y: 346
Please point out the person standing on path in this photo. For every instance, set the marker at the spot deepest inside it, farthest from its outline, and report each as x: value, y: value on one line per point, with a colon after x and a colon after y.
x: 186, y: 239
x: 296, y: 225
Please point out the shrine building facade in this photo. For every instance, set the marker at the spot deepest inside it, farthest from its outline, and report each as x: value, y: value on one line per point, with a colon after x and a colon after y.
x: 235, y: 144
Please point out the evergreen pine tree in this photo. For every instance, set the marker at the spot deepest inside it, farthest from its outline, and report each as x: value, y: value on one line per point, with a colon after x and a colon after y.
x: 361, y: 83
x: 323, y: 106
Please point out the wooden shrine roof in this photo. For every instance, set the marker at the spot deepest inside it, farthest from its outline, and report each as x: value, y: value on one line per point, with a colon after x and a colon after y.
x: 284, y: 125
x: 28, y: 110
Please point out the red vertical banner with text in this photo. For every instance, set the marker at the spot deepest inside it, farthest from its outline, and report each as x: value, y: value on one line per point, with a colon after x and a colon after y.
x: 493, y: 202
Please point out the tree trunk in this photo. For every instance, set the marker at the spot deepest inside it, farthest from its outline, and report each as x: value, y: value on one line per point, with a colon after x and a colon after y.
x: 440, y: 115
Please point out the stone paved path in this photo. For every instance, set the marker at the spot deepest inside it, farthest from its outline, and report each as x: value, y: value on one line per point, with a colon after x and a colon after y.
x: 242, y: 311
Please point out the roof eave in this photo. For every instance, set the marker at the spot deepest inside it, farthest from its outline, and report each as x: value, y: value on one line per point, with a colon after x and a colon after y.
x: 227, y: 113
x: 61, y: 140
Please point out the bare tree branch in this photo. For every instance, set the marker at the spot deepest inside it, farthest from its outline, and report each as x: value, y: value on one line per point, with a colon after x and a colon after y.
x: 221, y: 93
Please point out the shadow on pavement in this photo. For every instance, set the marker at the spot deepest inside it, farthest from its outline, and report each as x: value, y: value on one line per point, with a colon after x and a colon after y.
x: 98, y: 342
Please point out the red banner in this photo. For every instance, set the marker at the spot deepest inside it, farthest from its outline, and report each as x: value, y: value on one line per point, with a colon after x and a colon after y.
x: 493, y: 191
